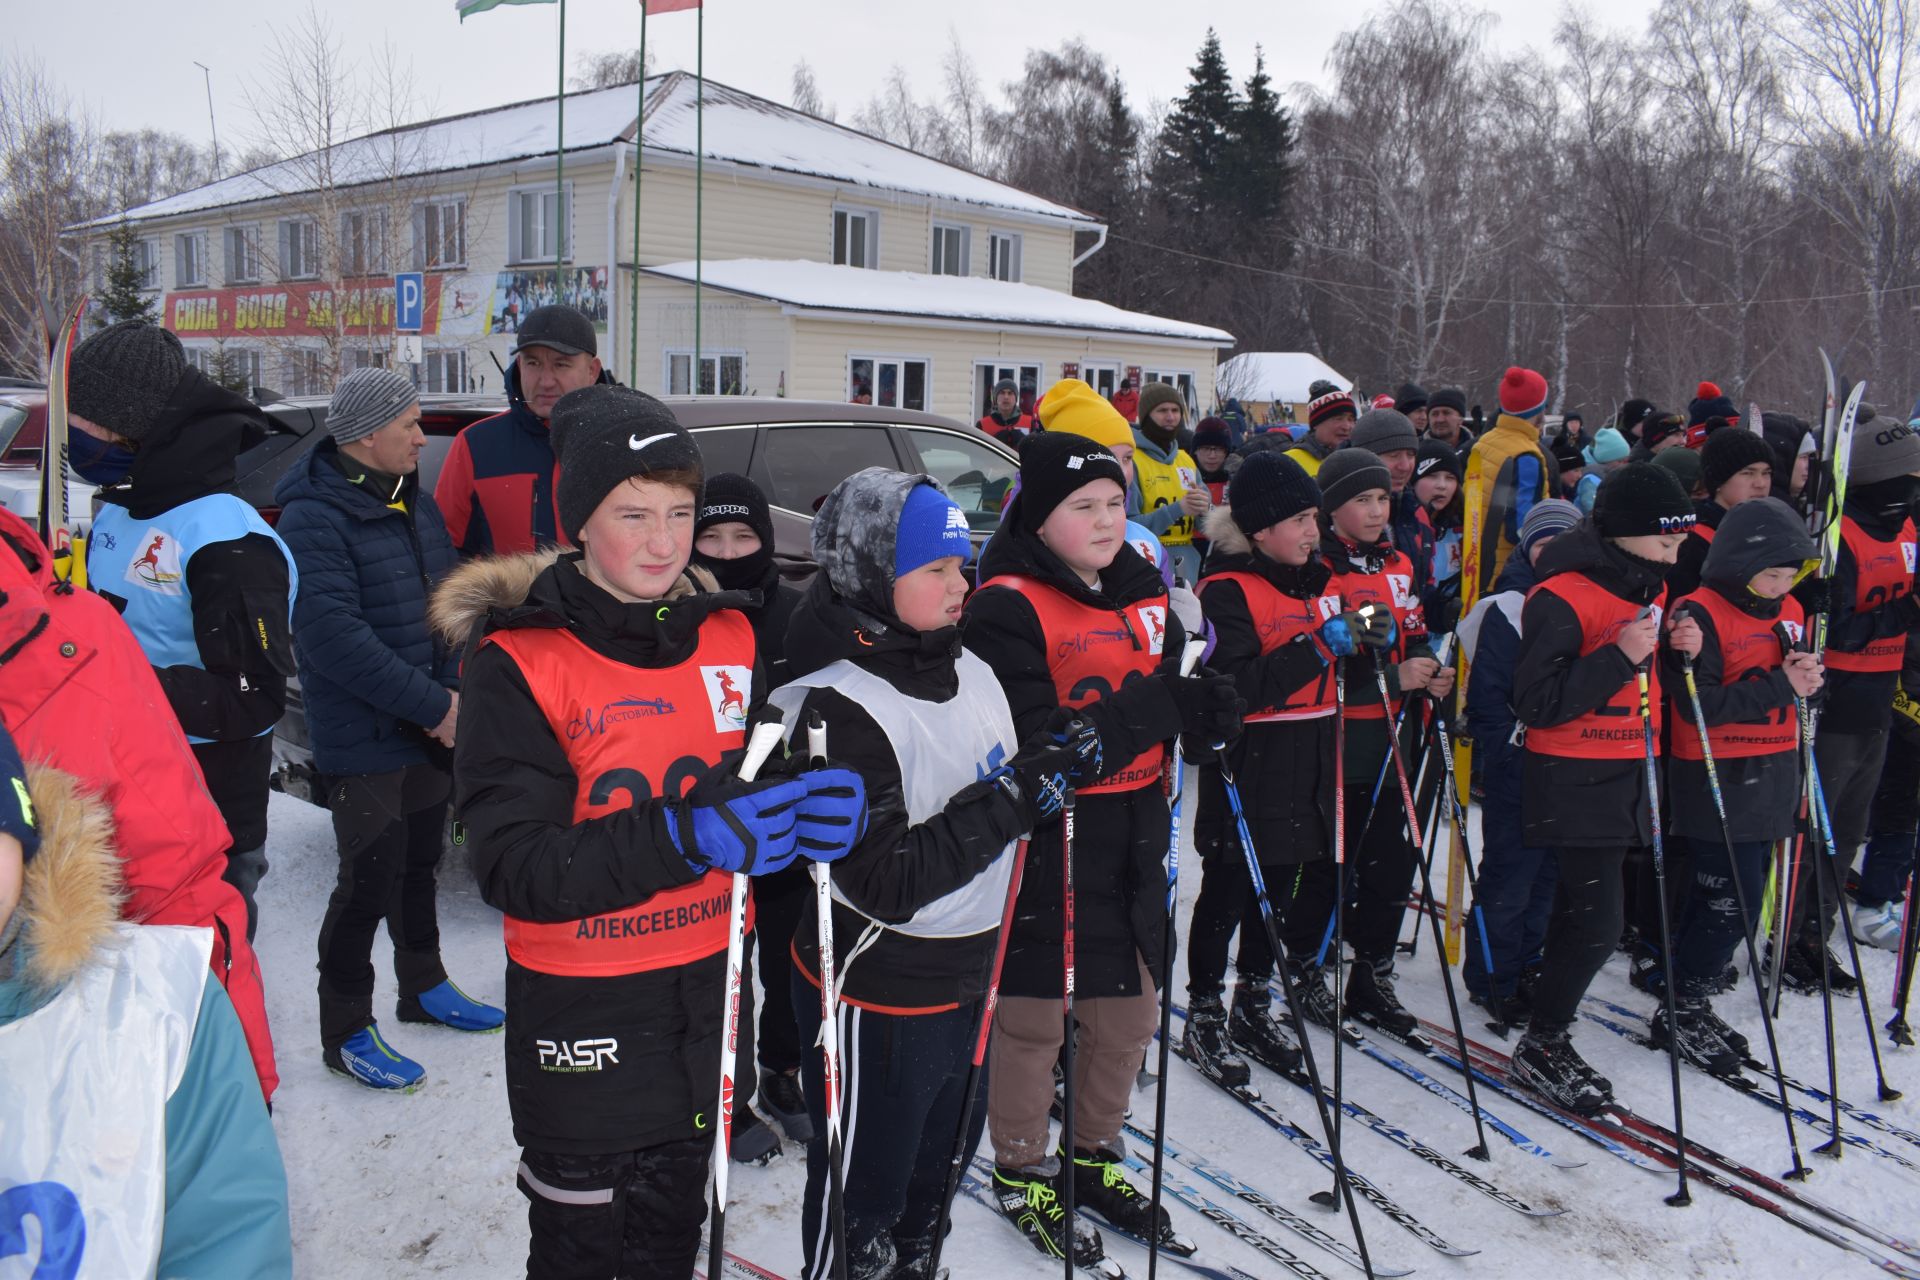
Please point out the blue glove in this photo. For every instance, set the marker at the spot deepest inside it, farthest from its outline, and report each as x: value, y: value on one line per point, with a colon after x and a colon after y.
x: 1067, y: 728
x: 832, y: 817
x: 725, y: 824
x: 1338, y: 637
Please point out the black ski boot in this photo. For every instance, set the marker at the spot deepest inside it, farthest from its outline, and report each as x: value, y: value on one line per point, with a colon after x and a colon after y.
x: 1803, y: 971
x: 783, y: 1103
x: 1735, y: 1041
x: 1545, y: 1062
x: 1029, y: 1198
x: 1699, y: 1041
x: 1647, y: 974
x: 1254, y: 1030
x: 1311, y: 990
x: 1100, y: 1185
x: 1207, y: 1043
x: 1371, y: 1000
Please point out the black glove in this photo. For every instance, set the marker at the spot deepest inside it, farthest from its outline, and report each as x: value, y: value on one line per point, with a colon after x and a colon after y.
x: 1039, y: 774
x: 1815, y: 594
x: 1210, y: 706
x: 1067, y: 728
x: 1372, y: 627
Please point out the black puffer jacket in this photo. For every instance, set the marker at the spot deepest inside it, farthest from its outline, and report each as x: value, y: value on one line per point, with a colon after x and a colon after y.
x: 1120, y: 839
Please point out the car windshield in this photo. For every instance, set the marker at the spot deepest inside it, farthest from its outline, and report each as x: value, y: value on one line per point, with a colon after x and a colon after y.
x: 975, y: 475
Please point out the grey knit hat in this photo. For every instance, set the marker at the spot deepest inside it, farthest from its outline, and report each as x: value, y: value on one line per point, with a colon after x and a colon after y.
x: 122, y: 377
x: 1882, y: 449
x: 367, y: 400
x: 1383, y: 431
x: 1347, y: 473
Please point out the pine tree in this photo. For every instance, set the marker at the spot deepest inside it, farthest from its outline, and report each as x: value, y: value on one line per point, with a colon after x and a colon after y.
x: 1259, y: 172
x: 1193, y: 152
x: 123, y: 298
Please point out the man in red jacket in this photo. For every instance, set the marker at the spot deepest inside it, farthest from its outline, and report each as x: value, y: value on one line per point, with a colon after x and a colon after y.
x: 77, y: 693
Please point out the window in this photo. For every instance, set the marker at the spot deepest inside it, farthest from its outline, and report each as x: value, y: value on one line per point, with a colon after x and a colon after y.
x: 725, y: 448
x: 1004, y: 256
x: 447, y: 370
x: 722, y: 373
x: 189, y: 259
x: 243, y: 363
x: 950, y: 249
x: 1104, y: 378
x: 146, y: 256
x: 894, y: 381
x: 299, y: 250
x: 243, y: 255
x: 301, y: 374
x: 803, y: 463
x: 856, y: 240
x: 975, y: 476
x: 363, y: 243
x: 990, y: 373
x: 440, y: 234
x: 365, y: 358
x: 538, y: 221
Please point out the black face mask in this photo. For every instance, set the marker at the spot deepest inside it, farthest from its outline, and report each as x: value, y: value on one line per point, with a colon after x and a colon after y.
x: 743, y: 573
x: 98, y: 461
x: 1891, y: 500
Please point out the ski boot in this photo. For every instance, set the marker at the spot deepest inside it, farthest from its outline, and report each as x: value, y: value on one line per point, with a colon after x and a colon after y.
x: 1698, y: 1040
x: 1508, y: 1011
x: 1206, y: 1042
x: 448, y: 1006
x: 1029, y: 1198
x: 1545, y: 1062
x: 1100, y: 1185
x: 1371, y: 999
x: 1311, y: 990
x: 1878, y: 926
x: 754, y: 1142
x: 785, y: 1104
x: 1735, y: 1041
x: 1646, y: 973
x: 366, y: 1057
x: 1253, y: 1029
x: 1803, y: 971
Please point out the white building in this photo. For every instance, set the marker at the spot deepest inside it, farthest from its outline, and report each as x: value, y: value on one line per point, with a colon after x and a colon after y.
x: 835, y: 265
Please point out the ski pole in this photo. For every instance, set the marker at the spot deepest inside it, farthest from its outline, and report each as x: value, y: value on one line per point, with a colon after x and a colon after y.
x: 1681, y: 1196
x: 760, y: 745
x: 1066, y: 1039
x: 1340, y: 893
x: 1832, y: 1147
x: 1897, y: 1026
x: 829, y: 1021
x: 983, y: 1029
x: 1478, y: 1151
x: 1296, y: 1011
x: 1189, y: 659
x: 1887, y: 1092
x: 1457, y: 807
x: 1799, y: 1170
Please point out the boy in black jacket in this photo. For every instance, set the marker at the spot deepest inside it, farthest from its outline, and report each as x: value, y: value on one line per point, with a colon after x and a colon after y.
x: 1587, y: 629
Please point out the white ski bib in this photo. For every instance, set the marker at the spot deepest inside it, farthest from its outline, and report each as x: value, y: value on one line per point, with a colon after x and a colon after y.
x: 86, y: 1079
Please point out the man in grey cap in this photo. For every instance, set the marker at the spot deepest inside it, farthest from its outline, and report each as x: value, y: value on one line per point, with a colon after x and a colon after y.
x: 1389, y: 434
x: 496, y: 486
x: 199, y: 577
x: 380, y: 691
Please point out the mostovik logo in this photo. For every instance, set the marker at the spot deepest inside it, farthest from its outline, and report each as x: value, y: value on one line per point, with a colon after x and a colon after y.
x: 157, y: 567
x: 591, y: 1054
x: 728, y: 691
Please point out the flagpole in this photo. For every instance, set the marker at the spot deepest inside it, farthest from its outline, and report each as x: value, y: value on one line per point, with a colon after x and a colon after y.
x: 699, y: 176
x: 639, y: 142
x: 560, y: 158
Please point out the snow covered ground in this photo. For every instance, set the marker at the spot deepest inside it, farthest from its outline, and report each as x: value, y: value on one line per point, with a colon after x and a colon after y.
x: 423, y: 1184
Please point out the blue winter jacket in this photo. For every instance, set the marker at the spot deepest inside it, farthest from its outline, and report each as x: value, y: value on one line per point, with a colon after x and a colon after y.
x: 1490, y: 715
x: 373, y: 676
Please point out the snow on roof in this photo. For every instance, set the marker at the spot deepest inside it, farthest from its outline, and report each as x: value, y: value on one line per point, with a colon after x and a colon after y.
x: 821, y: 286
x: 740, y: 128
x: 1275, y: 375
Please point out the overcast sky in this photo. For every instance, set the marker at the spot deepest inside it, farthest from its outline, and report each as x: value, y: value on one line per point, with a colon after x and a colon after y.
x: 133, y: 61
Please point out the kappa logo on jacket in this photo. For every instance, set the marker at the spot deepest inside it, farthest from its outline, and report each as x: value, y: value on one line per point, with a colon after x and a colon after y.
x: 157, y: 567
x: 728, y: 692
x: 590, y: 1054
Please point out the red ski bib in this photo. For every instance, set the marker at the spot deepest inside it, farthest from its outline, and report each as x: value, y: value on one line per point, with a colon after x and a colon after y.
x: 1611, y: 731
x: 1749, y: 648
x: 1280, y: 619
x: 1883, y: 572
x: 1392, y: 590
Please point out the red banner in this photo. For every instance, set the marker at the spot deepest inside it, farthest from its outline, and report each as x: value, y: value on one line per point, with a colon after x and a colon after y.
x: 293, y: 310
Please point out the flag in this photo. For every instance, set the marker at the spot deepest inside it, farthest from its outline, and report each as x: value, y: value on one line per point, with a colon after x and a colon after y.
x: 657, y: 7
x: 467, y: 8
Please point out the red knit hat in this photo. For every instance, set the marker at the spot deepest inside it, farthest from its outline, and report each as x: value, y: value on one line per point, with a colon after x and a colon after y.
x: 1523, y: 393
x: 1383, y: 401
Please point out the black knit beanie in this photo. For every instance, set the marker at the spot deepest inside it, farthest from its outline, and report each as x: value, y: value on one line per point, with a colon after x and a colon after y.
x: 1435, y: 456
x: 1409, y: 397
x: 1728, y: 452
x: 123, y: 376
x: 1269, y: 487
x: 1053, y: 465
x: 1449, y: 398
x: 1347, y: 473
x: 1641, y: 499
x: 604, y: 435
x: 732, y: 498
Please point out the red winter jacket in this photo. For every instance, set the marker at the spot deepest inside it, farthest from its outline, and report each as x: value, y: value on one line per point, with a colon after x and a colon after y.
x: 77, y: 693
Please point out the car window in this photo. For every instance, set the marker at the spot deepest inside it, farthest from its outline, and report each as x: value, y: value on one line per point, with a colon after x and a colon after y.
x: 802, y: 463
x: 12, y: 416
x: 725, y: 448
x: 23, y: 434
x: 976, y: 475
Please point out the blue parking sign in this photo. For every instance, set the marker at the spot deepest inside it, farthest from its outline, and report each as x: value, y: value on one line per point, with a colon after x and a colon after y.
x: 409, y: 301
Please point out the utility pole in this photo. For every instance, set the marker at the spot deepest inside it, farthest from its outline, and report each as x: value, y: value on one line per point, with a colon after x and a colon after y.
x: 208, y: 75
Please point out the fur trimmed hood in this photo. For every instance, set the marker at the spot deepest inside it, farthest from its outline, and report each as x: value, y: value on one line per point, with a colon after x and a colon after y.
x: 467, y: 598
x: 73, y: 891
x: 1225, y: 536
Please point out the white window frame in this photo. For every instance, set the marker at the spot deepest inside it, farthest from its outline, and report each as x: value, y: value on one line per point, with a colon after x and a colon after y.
x: 900, y: 377
x: 247, y: 270
x: 708, y: 356
x: 196, y: 242
x: 998, y: 367
x: 147, y: 255
x: 299, y: 249
x: 249, y: 360
x: 871, y: 247
x: 357, y: 357
x: 425, y: 260
x: 942, y: 233
x: 438, y: 363
x: 300, y: 371
x: 1113, y: 370
x: 366, y: 243
x: 538, y: 196
x: 1003, y: 255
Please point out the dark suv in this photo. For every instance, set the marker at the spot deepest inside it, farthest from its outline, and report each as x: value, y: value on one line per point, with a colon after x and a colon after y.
x: 795, y: 450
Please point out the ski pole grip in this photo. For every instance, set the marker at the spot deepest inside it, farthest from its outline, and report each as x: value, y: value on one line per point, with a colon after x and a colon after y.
x: 1190, y: 656
x: 760, y: 744
x: 816, y: 741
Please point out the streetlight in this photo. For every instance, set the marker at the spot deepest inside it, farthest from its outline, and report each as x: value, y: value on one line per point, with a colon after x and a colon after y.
x: 208, y: 75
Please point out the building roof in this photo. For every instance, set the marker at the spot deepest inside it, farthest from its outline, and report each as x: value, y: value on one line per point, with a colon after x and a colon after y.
x: 1275, y: 375
x: 740, y: 128
x: 821, y: 286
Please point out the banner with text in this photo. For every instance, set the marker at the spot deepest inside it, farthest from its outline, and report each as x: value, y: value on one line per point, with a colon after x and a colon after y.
x: 454, y: 305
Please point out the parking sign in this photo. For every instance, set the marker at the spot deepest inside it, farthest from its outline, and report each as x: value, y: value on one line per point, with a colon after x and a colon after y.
x: 409, y: 301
